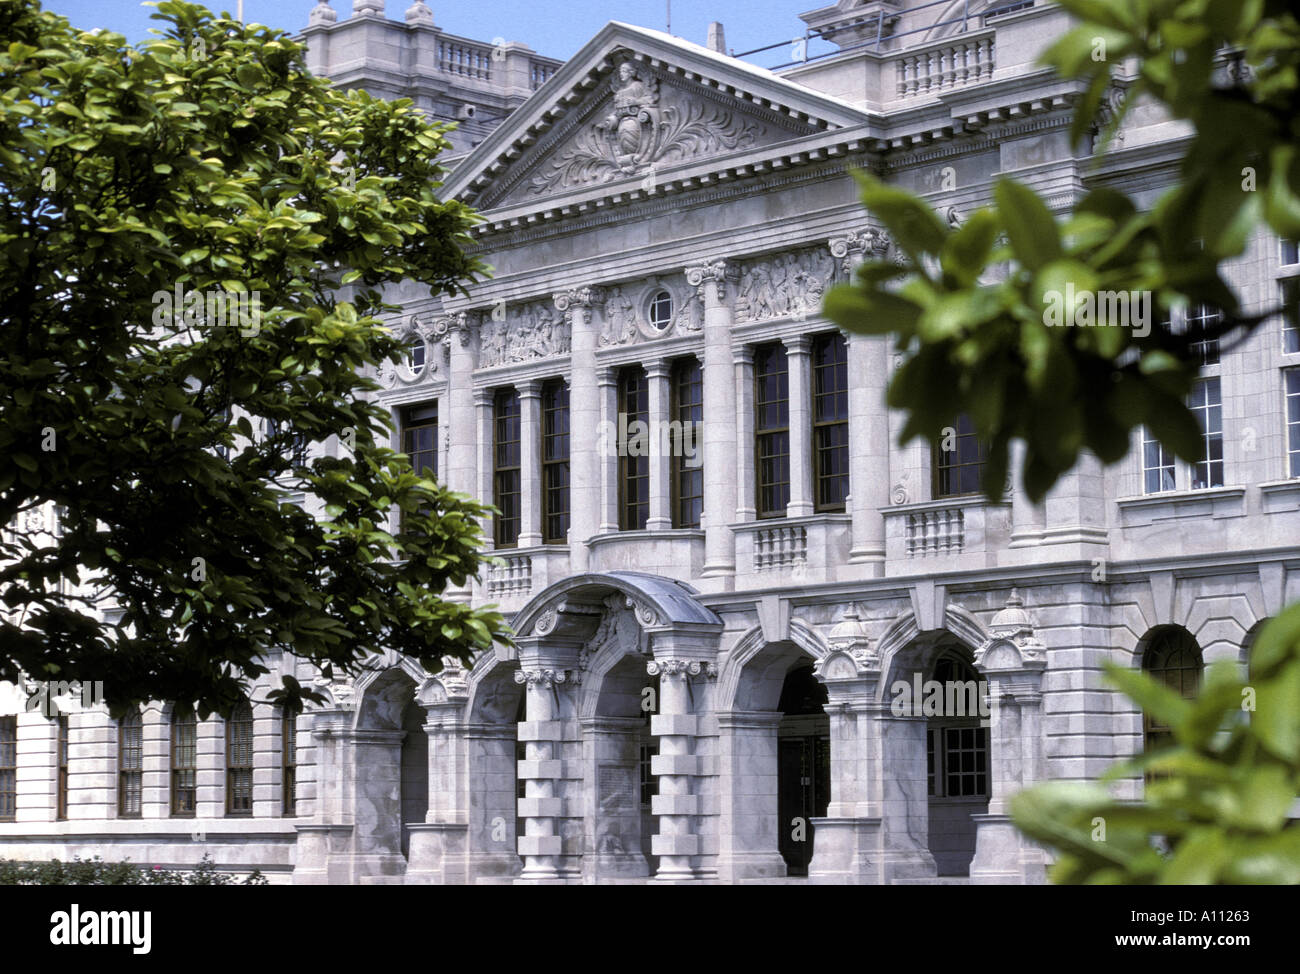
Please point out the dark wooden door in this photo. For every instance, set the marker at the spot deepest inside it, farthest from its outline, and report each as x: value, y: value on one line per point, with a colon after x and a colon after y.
x: 803, y: 793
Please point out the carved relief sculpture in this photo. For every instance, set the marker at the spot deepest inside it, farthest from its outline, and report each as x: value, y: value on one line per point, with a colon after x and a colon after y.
x: 786, y: 285
x: 533, y: 330
x: 643, y: 128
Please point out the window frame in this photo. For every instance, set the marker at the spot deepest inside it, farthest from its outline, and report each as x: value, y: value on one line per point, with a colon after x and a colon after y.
x: 130, y: 778
x: 1184, y: 475
x: 951, y: 665
x: 241, y: 743
x: 415, y: 418
x: 633, y: 383
x: 1291, y: 403
x: 181, y: 720
x: 506, y: 527
x: 61, y: 745
x: 686, y: 373
x: 288, y: 765
x: 1180, y: 640
x: 822, y: 428
x: 8, y: 768
x: 766, y: 435
x: 965, y: 431
x: 554, y: 413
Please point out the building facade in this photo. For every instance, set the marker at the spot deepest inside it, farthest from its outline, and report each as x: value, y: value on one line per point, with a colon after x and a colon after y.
x: 733, y: 591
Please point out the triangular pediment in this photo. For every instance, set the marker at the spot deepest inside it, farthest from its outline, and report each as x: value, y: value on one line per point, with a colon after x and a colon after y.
x: 633, y: 106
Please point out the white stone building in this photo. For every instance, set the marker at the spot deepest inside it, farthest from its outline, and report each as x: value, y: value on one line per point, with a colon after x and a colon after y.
x: 713, y: 630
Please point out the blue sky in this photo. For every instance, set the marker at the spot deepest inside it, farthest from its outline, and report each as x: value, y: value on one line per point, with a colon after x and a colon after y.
x: 554, y: 29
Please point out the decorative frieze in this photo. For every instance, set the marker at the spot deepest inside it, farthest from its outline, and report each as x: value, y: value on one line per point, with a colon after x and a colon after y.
x: 787, y: 285
x: 525, y: 332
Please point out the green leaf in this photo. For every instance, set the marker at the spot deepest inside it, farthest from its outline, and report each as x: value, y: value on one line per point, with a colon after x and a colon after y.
x: 1031, y: 228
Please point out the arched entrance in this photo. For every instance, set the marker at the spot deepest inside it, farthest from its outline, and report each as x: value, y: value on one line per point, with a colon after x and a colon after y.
x: 492, y: 753
x: 390, y: 767
x: 803, y: 764
x: 414, y: 786
x: 956, y: 758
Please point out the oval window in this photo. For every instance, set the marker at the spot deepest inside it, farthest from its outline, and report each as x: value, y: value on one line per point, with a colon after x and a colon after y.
x: 661, y: 310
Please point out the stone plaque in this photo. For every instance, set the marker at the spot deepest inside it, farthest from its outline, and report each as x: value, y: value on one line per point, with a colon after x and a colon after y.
x: 614, y: 788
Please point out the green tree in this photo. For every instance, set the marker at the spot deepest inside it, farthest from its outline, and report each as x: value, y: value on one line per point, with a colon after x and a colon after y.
x: 980, y: 342
x: 209, y: 162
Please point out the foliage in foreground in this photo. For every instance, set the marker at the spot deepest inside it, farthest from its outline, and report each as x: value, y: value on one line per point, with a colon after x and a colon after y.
x: 209, y: 163
x: 980, y: 342
x: 96, y: 872
x: 1219, y: 797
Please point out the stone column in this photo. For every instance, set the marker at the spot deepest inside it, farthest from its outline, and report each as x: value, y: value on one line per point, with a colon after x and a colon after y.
x: 869, y: 474
x: 545, y: 666
x: 483, y: 405
x: 439, y: 847
x: 743, y: 361
x: 718, y: 279
x: 530, y: 463
x: 607, y: 462
x: 679, y: 656
x: 848, y: 840
x: 1013, y: 660
x: 612, y: 803
x: 1027, y: 518
x: 798, y: 356
x: 747, y: 777
x: 457, y: 416
x: 657, y: 379
x: 325, y: 843
x: 583, y: 307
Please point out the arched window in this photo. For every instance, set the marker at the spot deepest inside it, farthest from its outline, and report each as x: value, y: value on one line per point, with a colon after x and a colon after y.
x: 185, y: 734
x: 239, y: 760
x: 1172, y: 657
x: 130, y: 765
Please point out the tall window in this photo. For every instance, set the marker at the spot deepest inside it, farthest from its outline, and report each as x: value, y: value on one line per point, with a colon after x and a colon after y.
x: 830, y: 378
x: 1290, y: 299
x: 957, y: 746
x: 130, y: 766
x: 687, y: 446
x: 633, y: 471
x: 1200, y: 318
x: 1208, y: 407
x: 289, y: 765
x: 185, y: 733
x: 61, y: 802
x: 8, y: 768
x: 1157, y: 465
x: 771, y: 430
x: 1292, y: 377
x: 1173, y: 658
x: 239, y: 760
x: 420, y: 437
x: 295, y: 446
x: 505, y: 459
x: 555, y: 462
x: 959, y: 461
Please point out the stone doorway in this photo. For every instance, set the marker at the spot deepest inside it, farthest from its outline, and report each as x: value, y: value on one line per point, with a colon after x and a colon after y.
x: 803, y: 765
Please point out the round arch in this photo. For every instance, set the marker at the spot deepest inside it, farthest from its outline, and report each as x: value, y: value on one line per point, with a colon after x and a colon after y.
x: 736, y: 671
